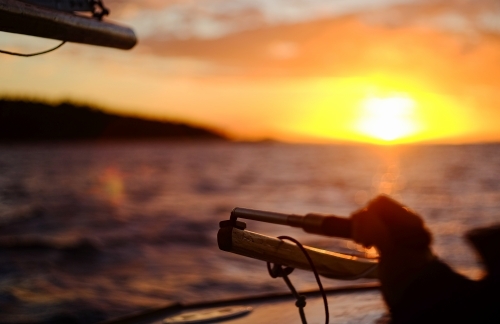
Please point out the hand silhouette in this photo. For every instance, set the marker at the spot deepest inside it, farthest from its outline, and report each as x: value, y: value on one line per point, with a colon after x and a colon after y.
x: 401, y: 238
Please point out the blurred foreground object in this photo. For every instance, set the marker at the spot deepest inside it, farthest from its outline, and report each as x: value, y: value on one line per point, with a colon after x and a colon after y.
x: 329, y: 264
x: 56, y: 20
x: 416, y: 285
x: 282, y: 257
x: 232, y: 237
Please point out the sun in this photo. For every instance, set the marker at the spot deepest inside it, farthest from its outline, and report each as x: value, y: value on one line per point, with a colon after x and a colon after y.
x: 388, y: 119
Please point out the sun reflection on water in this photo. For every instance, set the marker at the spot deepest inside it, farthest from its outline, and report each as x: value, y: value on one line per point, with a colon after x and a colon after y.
x: 112, y: 185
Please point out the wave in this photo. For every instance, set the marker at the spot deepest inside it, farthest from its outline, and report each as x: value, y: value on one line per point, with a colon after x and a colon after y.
x: 16, y: 214
x: 33, y: 243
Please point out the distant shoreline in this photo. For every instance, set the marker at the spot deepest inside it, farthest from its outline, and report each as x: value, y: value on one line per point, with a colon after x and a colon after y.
x: 34, y: 121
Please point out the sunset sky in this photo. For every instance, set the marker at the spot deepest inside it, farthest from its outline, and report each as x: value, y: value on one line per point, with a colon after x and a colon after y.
x: 377, y: 71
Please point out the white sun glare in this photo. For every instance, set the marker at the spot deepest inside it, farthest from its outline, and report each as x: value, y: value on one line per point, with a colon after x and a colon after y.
x: 388, y: 118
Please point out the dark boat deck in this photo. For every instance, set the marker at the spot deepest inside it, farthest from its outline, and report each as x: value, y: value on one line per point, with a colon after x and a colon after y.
x: 355, y: 304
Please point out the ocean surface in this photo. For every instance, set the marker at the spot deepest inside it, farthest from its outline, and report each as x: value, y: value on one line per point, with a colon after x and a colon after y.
x: 92, y: 231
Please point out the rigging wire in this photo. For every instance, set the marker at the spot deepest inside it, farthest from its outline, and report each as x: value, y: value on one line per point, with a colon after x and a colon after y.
x: 278, y: 271
x: 33, y: 54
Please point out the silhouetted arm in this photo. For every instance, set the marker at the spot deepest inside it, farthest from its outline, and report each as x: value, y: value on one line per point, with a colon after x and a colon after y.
x: 417, y: 287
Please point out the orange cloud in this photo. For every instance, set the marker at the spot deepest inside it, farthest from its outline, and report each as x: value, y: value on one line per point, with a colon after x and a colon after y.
x: 298, y: 81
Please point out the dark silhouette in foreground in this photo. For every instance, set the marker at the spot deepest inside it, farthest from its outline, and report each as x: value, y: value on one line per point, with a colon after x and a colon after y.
x: 24, y: 121
x: 416, y: 286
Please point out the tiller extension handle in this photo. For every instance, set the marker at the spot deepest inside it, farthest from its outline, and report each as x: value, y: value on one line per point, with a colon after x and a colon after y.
x: 328, y: 225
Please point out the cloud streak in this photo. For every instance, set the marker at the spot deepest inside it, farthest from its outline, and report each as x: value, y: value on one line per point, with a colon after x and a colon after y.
x: 208, y: 19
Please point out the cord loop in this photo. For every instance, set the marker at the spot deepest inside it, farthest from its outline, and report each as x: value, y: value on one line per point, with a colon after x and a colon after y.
x: 277, y: 270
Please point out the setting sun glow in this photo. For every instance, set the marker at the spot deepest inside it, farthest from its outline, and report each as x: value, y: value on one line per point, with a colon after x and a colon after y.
x: 408, y: 76
x: 388, y: 119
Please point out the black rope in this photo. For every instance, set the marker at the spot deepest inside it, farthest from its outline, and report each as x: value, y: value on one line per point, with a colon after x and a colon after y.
x: 33, y: 54
x: 278, y: 271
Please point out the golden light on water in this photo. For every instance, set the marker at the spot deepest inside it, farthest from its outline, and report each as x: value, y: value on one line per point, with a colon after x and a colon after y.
x: 388, y: 119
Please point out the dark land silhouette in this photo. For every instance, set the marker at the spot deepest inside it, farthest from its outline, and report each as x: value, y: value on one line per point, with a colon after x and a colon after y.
x: 29, y: 121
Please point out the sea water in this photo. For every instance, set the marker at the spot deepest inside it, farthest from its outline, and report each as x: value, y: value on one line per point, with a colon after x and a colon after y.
x: 92, y: 231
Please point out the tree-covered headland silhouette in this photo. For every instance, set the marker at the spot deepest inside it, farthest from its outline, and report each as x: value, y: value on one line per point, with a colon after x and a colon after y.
x: 31, y: 121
